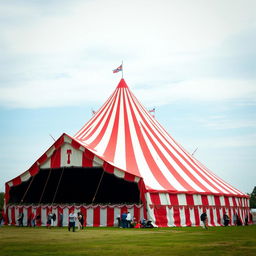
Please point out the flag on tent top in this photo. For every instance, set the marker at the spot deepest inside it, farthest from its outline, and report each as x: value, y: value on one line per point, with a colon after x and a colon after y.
x: 120, y: 68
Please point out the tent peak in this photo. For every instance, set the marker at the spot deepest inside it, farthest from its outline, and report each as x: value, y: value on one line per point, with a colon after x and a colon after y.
x: 122, y: 84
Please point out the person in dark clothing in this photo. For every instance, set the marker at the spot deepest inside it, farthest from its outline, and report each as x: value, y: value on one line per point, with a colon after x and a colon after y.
x: 20, y: 219
x: 204, y: 219
x: 226, y: 219
x: 123, y: 220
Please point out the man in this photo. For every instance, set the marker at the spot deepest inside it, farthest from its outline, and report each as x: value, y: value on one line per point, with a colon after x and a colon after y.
x: 128, y: 219
x: 71, y: 221
x: 226, y: 219
x: 204, y: 219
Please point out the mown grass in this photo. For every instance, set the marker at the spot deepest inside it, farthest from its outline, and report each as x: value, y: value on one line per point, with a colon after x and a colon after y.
x: 15, y: 241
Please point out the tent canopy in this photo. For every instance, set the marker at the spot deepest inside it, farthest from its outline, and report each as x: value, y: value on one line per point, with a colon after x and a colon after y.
x: 124, y: 139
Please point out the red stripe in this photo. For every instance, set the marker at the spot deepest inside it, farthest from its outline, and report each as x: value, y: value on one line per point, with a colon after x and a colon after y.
x: 60, y: 211
x: 155, y: 198
x: 103, y: 129
x: 190, y: 200
x: 128, y: 176
x: 110, y: 150
x: 55, y: 158
x: 217, y: 200
x: 7, y: 193
x: 123, y: 209
x: 218, y: 216
x: 96, y: 217
x: 176, y: 216
x: 152, y: 165
x: 16, y: 181
x: 170, y: 167
x: 234, y: 201
x: 160, y: 216
x: 204, y: 200
x: 174, y: 199
x: 85, y: 132
x: 187, y: 216
x: 108, y: 167
x: 110, y: 216
x: 42, y: 159
x: 38, y: 216
x: 59, y: 142
x: 84, y: 212
x: 131, y: 163
x: 197, y: 218
x: 75, y: 144
x: 226, y: 201
x: 136, y: 213
x: 211, y: 216
x: 34, y: 169
x: 87, y: 160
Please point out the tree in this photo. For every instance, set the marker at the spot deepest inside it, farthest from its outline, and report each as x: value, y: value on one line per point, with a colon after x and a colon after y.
x: 1, y: 200
x: 253, y: 198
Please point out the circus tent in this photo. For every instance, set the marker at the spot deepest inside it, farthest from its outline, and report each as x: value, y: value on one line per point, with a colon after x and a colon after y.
x: 124, y: 159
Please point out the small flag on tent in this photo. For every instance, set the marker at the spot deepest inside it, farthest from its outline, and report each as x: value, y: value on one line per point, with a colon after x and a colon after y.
x: 120, y: 68
x: 152, y: 111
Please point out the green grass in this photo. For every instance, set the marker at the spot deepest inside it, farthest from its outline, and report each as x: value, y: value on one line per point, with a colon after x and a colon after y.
x: 15, y: 241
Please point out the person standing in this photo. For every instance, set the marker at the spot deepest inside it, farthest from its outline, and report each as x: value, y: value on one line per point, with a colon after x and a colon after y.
x: 20, y: 219
x: 226, y: 219
x: 49, y: 219
x: 123, y: 220
x: 80, y: 218
x: 72, y: 221
x: 204, y: 219
x: 128, y: 219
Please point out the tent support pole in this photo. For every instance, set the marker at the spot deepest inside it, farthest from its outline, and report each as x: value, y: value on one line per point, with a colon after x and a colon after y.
x: 58, y: 185
x: 22, y: 199
x: 45, y: 186
x: 98, y: 186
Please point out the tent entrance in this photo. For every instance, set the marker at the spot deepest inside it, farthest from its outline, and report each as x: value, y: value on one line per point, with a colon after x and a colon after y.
x: 73, y: 185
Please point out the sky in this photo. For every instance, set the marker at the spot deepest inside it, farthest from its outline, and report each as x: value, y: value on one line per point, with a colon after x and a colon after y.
x: 193, y: 60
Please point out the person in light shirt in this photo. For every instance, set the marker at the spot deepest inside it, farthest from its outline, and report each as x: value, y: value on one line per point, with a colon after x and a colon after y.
x: 71, y: 221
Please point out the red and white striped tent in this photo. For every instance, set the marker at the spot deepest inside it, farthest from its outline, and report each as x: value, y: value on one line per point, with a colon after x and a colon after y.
x: 127, y: 142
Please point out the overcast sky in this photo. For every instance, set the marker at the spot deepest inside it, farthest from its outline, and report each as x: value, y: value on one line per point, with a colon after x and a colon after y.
x: 194, y: 61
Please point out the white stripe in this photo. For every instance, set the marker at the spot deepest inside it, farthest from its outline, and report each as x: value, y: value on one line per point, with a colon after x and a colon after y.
x: 50, y: 151
x: 187, y: 158
x: 182, y: 216
x: 197, y: 199
x: 120, y: 156
x: 192, y: 216
x: 103, y: 217
x: 25, y: 176
x: 222, y: 201
x: 170, y: 219
x: 163, y: 168
x: 90, y: 217
x: 143, y: 167
x: 118, y: 173
x: 211, y: 200
x: 164, y: 199
x: 96, y: 118
x: 182, y: 199
x: 105, y: 139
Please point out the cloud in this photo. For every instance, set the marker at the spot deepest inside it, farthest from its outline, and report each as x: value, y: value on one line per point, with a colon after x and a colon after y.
x: 65, y: 52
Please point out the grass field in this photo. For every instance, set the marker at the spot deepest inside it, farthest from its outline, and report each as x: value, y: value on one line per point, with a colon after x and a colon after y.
x: 15, y: 241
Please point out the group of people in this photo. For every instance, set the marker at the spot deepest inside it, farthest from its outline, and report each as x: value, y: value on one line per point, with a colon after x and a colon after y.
x: 127, y: 221
x: 72, y: 218
x: 226, y: 219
